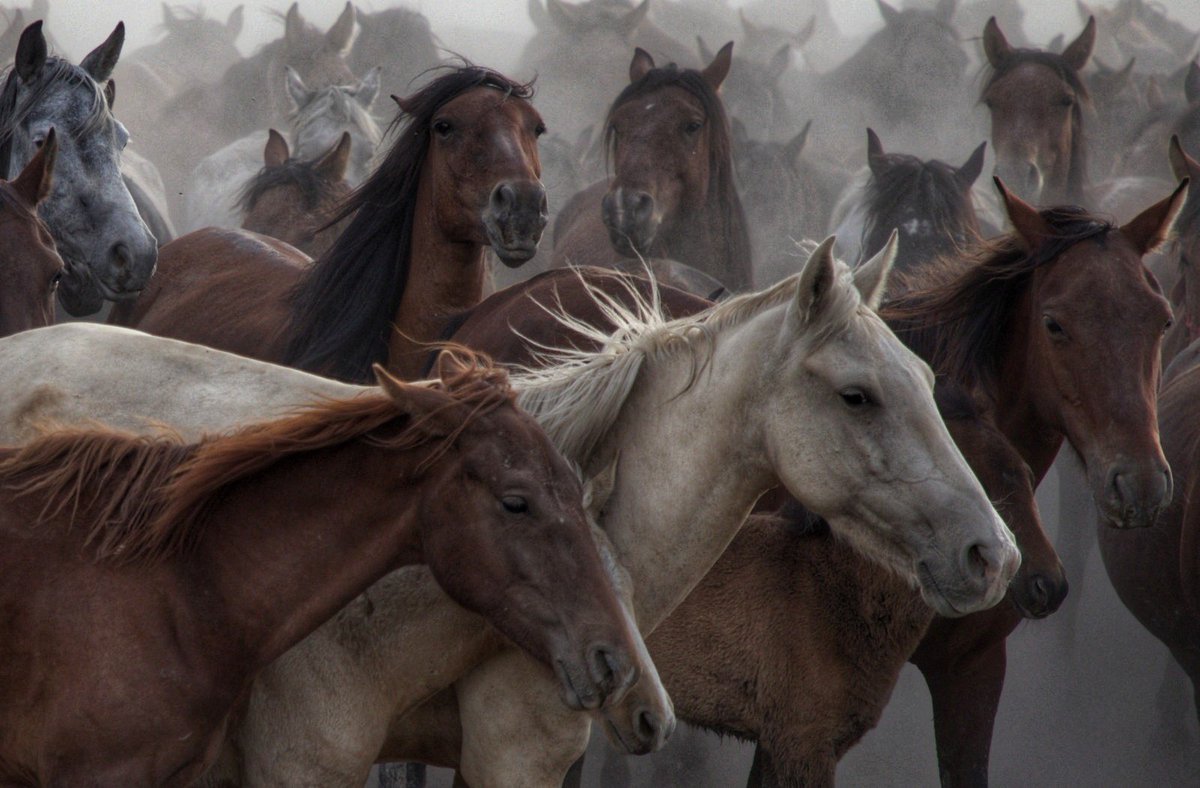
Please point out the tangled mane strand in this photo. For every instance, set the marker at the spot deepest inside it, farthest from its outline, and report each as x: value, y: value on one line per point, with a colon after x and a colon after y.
x: 342, y: 311
x: 956, y: 311
x: 147, y: 498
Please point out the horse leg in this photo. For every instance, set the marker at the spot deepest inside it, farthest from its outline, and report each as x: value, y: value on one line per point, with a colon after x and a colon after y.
x: 965, y: 697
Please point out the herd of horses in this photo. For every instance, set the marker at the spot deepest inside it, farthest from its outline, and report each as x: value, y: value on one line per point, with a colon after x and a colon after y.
x: 338, y: 482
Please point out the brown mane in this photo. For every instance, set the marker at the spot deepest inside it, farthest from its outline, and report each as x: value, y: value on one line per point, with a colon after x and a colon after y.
x: 147, y: 498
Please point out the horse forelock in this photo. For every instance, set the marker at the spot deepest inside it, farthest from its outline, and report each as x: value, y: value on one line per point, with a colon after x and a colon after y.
x: 336, y: 102
x: 342, y: 311
x: 315, y: 189
x: 148, y: 497
x: 928, y: 188
x: 955, y: 312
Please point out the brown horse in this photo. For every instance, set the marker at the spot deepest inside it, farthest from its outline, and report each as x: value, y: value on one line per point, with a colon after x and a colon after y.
x: 673, y: 193
x: 1184, y: 255
x: 145, y: 582
x: 30, y: 267
x: 1156, y: 571
x: 1036, y: 100
x: 1011, y: 320
x: 294, y: 200
x: 462, y: 176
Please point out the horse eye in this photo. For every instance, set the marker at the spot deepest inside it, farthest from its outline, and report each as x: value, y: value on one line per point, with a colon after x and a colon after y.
x: 540, y: 130
x: 855, y: 397
x: 56, y: 279
x: 693, y: 126
x: 39, y: 142
x: 1053, y: 327
x: 515, y: 504
x: 442, y: 128
x: 1167, y: 326
x: 1066, y: 101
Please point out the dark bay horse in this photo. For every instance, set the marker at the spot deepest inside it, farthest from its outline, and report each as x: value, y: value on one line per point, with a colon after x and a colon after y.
x: 462, y: 176
x: 146, y: 581
x: 109, y: 252
x: 294, y: 200
x: 30, y: 268
x: 1036, y: 100
x: 1009, y: 320
x: 673, y: 193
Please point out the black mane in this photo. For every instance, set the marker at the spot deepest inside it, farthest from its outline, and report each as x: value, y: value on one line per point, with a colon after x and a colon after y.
x: 315, y: 189
x: 341, y: 313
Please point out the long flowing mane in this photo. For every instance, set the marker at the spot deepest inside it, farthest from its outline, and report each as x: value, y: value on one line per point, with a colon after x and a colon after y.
x: 731, y: 232
x: 577, y: 394
x: 1077, y: 174
x: 16, y: 104
x: 342, y: 311
x: 956, y: 311
x: 146, y: 499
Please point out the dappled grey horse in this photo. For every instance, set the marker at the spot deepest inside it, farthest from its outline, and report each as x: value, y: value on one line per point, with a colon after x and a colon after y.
x: 109, y: 252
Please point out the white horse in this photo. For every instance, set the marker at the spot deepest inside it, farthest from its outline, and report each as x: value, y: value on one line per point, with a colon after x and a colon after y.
x: 319, y: 117
x: 801, y: 384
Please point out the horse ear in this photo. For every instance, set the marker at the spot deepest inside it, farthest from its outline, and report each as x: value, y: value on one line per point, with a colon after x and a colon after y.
x: 1150, y: 228
x: 101, y: 61
x: 749, y: 29
x: 969, y: 172
x: 716, y: 71
x: 538, y: 15
x: 563, y: 16
x: 641, y: 65
x: 298, y: 92
x: 168, y: 16
x: 342, y: 33
x: 875, y: 155
x: 629, y: 23
x: 945, y: 9
x: 795, y: 146
x: 871, y: 277
x: 1025, y: 219
x: 31, y: 53
x: 598, y: 489
x: 995, y: 45
x: 406, y: 105
x: 817, y: 279
x: 110, y: 93
x: 293, y: 25
x: 1155, y: 100
x: 805, y: 33
x: 1182, y: 165
x: 706, y: 54
x: 414, y: 400
x: 779, y: 63
x: 888, y: 13
x: 34, y: 183
x: 332, y: 166
x: 233, y: 25
x: 368, y: 88
x: 276, y: 153
x: 1191, y: 83
x: 1078, y: 51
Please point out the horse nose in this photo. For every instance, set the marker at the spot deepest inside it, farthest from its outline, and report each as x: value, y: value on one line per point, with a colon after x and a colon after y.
x: 984, y: 563
x: 1134, y: 497
x: 1042, y: 595
x: 516, y: 215
x: 609, y: 668
x: 652, y: 731
x: 629, y: 215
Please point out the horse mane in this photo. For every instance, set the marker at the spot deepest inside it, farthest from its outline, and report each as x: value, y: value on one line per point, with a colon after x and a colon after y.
x: 1078, y: 172
x: 955, y: 313
x: 931, y: 188
x: 342, y: 310
x: 14, y: 109
x: 732, y: 232
x: 578, y: 394
x: 147, y: 499
x: 315, y: 189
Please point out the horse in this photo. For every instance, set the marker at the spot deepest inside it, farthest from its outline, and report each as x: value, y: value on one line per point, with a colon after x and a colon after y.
x: 1137, y: 29
x: 767, y: 335
x: 30, y: 268
x: 752, y: 92
x: 1156, y: 571
x: 399, y: 40
x: 462, y: 175
x: 928, y: 202
x: 1004, y: 320
x: 318, y: 120
x: 162, y: 535
x: 673, y: 193
x: 1184, y: 255
x: 108, y: 250
x: 292, y: 200
x: 1036, y: 101
x: 424, y: 640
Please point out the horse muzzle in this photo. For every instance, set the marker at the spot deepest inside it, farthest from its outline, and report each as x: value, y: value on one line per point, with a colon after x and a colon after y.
x: 1038, y: 594
x: 516, y: 215
x: 1133, y: 495
x: 632, y: 220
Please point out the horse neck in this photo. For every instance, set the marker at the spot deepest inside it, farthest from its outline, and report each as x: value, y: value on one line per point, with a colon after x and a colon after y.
x: 445, y: 277
x: 714, y: 240
x: 684, y: 488
x: 285, y: 550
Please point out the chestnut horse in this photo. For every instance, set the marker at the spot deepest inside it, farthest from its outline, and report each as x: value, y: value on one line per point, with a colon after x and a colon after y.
x: 462, y: 176
x: 30, y: 268
x: 673, y: 193
x: 172, y: 573
x: 294, y: 200
x: 1011, y: 320
x: 1036, y: 100
x: 1156, y: 571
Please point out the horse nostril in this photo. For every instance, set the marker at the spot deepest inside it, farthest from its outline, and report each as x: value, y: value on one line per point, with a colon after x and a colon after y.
x: 605, y: 666
x: 121, y: 255
x: 643, y: 204
x: 1041, y: 590
x: 503, y: 198
x: 647, y: 726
